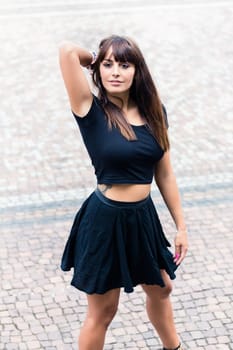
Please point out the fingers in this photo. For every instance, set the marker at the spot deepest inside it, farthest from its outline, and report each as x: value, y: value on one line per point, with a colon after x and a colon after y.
x: 180, y: 252
x: 181, y: 247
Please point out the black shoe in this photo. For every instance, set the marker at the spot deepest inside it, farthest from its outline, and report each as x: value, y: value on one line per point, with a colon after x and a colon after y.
x: 178, y: 348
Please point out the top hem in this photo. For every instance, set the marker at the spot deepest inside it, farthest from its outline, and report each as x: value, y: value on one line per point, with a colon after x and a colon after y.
x: 123, y: 182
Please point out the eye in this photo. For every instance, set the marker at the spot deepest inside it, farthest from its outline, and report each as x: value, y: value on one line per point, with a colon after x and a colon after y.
x: 107, y: 64
x: 125, y: 65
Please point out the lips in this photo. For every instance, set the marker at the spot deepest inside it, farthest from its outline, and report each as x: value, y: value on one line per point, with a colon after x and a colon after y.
x: 115, y: 82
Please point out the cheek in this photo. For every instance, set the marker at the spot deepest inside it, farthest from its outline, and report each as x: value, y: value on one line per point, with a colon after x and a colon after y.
x: 102, y: 74
x: 131, y: 75
x: 130, y: 78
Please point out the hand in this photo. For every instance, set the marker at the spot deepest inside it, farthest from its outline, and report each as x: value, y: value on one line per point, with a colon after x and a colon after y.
x: 90, y: 66
x: 181, y: 246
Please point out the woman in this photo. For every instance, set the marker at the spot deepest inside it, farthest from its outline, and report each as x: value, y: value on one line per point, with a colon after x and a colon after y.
x: 117, y: 239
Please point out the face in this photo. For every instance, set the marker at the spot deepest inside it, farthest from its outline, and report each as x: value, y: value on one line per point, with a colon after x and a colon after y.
x: 117, y: 77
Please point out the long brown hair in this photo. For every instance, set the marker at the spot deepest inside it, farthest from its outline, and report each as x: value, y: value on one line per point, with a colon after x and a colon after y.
x: 143, y: 91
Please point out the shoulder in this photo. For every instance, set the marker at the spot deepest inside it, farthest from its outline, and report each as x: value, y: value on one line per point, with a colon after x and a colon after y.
x: 95, y: 109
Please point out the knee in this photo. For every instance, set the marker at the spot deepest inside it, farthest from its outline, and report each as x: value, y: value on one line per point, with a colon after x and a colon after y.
x: 156, y: 292
x: 108, y: 314
x: 102, y: 317
x: 166, y: 291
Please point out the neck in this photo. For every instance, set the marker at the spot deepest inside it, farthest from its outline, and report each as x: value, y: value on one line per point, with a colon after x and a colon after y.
x: 121, y: 100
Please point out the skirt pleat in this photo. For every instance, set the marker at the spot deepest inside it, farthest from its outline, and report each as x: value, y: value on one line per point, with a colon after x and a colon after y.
x: 116, y: 244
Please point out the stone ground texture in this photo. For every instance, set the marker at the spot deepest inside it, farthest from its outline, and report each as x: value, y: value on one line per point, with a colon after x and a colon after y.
x: 46, y: 174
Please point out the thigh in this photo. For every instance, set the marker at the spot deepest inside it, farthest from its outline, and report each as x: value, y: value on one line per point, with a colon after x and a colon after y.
x: 155, y: 291
x: 99, y: 304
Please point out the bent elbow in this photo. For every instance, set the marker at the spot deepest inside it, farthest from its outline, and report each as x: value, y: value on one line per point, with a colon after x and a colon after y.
x: 66, y: 48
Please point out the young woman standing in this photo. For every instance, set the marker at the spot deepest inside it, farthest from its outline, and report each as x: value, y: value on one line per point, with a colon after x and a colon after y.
x: 117, y: 239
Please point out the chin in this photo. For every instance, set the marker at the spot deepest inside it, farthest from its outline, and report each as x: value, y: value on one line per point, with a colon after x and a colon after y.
x: 116, y: 91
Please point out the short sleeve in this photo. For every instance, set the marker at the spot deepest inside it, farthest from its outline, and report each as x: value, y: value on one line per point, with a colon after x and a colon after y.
x: 165, y: 116
x: 90, y: 117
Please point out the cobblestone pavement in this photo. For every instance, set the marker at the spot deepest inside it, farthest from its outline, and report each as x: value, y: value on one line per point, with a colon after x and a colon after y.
x: 46, y: 174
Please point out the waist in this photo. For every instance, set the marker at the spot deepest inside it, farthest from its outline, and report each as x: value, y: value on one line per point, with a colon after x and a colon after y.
x: 121, y: 204
x: 125, y: 192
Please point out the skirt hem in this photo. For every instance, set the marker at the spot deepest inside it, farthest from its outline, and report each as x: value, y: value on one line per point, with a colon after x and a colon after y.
x: 126, y: 290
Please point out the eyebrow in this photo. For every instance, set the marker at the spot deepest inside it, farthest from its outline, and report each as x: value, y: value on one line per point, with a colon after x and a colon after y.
x: 108, y: 60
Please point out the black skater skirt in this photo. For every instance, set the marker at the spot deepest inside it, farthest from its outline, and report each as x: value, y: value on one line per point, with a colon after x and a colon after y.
x: 116, y: 244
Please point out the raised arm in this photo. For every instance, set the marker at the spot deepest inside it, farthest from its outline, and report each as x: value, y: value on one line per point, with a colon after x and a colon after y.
x: 72, y: 58
x: 166, y: 182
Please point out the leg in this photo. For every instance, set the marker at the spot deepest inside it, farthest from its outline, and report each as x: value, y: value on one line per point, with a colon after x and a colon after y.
x: 101, y: 310
x: 159, y: 310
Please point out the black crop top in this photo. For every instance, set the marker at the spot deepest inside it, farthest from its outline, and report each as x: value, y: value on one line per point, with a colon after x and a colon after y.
x: 115, y: 159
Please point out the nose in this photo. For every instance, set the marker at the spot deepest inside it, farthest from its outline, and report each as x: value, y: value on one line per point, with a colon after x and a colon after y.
x: 115, y: 70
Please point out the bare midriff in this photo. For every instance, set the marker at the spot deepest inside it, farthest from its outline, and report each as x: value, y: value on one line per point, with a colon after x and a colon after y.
x: 125, y: 192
